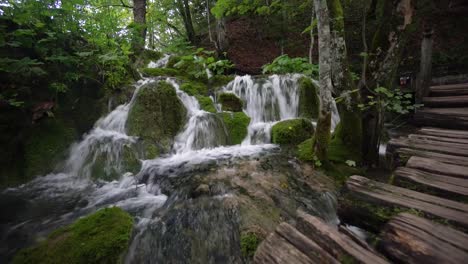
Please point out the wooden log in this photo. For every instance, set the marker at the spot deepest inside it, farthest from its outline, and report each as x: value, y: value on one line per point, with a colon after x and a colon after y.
x: 406, y: 153
x: 446, y: 101
x: 442, y: 117
x: 425, y: 140
x: 437, y: 167
x: 447, y: 90
x: 441, y: 147
x: 439, y: 132
x: 417, y: 137
x: 411, y: 239
x: 277, y: 250
x: 348, y: 232
x: 445, y: 186
x: 388, y: 195
x: 338, y: 245
x: 304, y: 244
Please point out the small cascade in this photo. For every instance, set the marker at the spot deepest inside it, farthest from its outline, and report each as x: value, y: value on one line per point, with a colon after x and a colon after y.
x: 162, y: 62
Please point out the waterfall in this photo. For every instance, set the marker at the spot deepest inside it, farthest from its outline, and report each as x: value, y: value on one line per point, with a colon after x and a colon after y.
x: 160, y: 63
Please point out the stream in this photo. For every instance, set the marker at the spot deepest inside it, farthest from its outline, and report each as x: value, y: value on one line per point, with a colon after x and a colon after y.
x: 190, y: 205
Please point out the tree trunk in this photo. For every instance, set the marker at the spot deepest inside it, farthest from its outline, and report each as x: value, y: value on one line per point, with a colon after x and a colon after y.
x: 184, y: 10
x: 322, y: 133
x: 139, y: 18
x: 424, y: 77
x: 312, y: 37
x: 221, y: 36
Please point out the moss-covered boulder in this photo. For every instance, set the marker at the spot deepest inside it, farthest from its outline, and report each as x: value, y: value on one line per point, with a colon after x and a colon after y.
x: 236, y: 125
x: 156, y: 72
x: 156, y: 116
x: 194, y: 88
x: 220, y: 80
x: 206, y: 103
x: 291, y: 132
x: 230, y: 102
x: 345, y: 143
x: 98, y: 238
x: 47, y: 144
x: 308, y: 98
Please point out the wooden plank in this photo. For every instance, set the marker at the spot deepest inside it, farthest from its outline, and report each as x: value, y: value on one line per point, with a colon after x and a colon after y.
x: 304, y: 244
x: 451, y: 89
x: 438, y: 138
x: 437, y: 167
x: 422, y: 140
x: 445, y: 158
x: 338, y: 245
x: 411, y: 239
x: 442, y: 117
x: 443, y: 148
x: 277, y: 250
x: 445, y: 184
x: 453, y: 133
x: 446, y: 101
x: 385, y: 194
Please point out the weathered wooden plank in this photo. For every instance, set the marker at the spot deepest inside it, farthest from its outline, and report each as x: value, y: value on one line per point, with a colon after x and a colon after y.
x: 445, y: 158
x: 437, y: 167
x: 451, y: 89
x: 338, y: 245
x: 395, y: 143
x: 457, y: 145
x: 277, y: 250
x: 385, y: 194
x: 304, y: 244
x: 348, y: 232
x: 411, y: 239
x: 438, y: 138
x: 439, y: 132
x: 446, y: 101
x: 442, y: 117
x: 441, y: 184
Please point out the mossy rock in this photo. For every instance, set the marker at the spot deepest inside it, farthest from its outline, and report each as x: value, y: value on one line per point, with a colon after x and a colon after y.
x: 345, y: 144
x: 309, y: 101
x: 249, y: 244
x: 221, y: 80
x: 305, y: 151
x: 102, y: 237
x: 47, y: 145
x: 206, y: 103
x: 156, y: 116
x: 230, y: 102
x: 291, y: 132
x: 194, y: 88
x: 103, y: 170
x: 156, y: 72
x: 173, y: 60
x: 236, y: 125
x: 146, y: 56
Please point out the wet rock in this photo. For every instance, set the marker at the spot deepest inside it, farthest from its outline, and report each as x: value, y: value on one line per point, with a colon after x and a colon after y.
x: 202, y: 189
x: 230, y: 102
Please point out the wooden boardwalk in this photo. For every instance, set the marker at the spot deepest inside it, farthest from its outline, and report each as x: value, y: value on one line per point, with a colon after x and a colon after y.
x: 430, y: 182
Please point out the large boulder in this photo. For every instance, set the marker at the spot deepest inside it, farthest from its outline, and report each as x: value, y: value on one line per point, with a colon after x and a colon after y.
x: 308, y: 98
x: 157, y: 115
x: 230, y: 102
x: 291, y: 132
x: 236, y: 125
x: 98, y: 238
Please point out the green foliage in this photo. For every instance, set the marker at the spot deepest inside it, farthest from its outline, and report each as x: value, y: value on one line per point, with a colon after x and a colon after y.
x: 249, y: 244
x: 206, y: 103
x: 194, y: 88
x: 390, y: 100
x: 291, y: 132
x: 199, y: 62
x: 230, y: 102
x: 156, y: 72
x: 98, y: 238
x: 284, y: 64
x: 236, y: 124
x: 233, y: 7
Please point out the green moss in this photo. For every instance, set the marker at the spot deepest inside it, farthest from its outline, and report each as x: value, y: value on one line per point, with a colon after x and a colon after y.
x: 340, y: 172
x: 220, y: 80
x: 46, y: 145
x: 236, y: 124
x: 155, y: 72
x: 305, y: 150
x: 194, y: 88
x: 308, y: 98
x: 98, y: 238
x: 156, y: 116
x: 291, y: 132
x: 206, y: 103
x: 249, y: 244
x: 173, y: 60
x: 346, y: 142
x: 230, y: 102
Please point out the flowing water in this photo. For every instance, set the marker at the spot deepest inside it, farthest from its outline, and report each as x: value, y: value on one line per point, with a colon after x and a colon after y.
x: 150, y: 196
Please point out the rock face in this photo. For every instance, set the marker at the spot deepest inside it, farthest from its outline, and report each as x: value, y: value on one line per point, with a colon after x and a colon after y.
x: 291, y: 132
x: 156, y: 117
x: 99, y: 238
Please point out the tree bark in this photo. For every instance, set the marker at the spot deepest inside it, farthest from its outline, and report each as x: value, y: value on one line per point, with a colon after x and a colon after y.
x: 312, y: 37
x: 425, y: 71
x: 221, y: 36
x: 184, y: 10
x: 139, y: 18
x: 322, y: 133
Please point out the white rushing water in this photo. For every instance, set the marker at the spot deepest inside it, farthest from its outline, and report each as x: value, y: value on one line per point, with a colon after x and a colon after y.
x: 160, y: 63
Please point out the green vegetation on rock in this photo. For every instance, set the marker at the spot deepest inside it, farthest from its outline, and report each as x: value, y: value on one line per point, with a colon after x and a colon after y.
x: 155, y: 72
x: 346, y: 140
x: 291, y: 132
x: 308, y: 98
x: 156, y: 117
x: 206, y: 103
x: 304, y: 150
x: 98, y: 238
x: 46, y: 145
x: 249, y: 244
x: 236, y: 124
x: 194, y: 88
x: 230, y: 102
